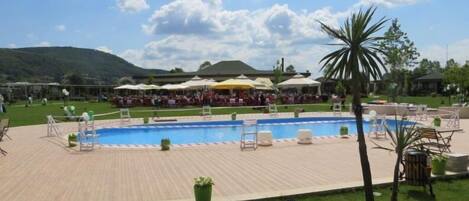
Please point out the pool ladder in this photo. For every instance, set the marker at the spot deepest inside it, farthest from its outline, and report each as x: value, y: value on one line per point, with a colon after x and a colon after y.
x: 249, y: 135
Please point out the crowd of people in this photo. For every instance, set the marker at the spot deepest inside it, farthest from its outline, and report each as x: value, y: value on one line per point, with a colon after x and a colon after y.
x: 211, y: 98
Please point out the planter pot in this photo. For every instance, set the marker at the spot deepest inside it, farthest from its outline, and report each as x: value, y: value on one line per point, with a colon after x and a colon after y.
x: 438, y: 167
x: 72, y: 143
x: 165, y: 144
x: 437, y: 122
x: 297, y: 114
x: 233, y: 117
x: 203, y: 193
x: 343, y: 131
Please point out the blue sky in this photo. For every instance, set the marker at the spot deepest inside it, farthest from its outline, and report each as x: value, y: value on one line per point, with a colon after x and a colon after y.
x: 184, y: 33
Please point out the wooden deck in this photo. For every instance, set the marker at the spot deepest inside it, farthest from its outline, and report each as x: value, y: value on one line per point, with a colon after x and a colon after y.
x: 41, y: 168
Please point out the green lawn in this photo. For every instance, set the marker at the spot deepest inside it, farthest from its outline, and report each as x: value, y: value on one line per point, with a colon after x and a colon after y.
x: 454, y: 190
x: 36, y: 114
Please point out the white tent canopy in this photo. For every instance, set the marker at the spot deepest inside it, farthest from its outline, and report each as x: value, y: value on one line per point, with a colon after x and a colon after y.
x: 198, y: 83
x: 298, y: 81
x: 173, y: 87
x: 127, y: 86
x: 138, y: 87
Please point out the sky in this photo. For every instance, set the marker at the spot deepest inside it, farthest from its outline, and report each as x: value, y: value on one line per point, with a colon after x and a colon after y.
x: 184, y: 33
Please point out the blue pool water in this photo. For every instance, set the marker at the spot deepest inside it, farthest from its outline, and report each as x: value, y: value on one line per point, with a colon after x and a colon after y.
x: 221, y: 131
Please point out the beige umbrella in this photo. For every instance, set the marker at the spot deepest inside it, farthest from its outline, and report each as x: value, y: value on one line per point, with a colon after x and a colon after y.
x: 198, y: 83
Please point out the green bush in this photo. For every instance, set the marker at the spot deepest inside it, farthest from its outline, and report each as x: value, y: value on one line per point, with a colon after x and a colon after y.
x: 165, y: 142
x: 145, y: 120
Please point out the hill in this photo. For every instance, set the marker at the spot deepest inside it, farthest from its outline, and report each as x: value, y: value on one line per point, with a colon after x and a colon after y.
x: 50, y: 64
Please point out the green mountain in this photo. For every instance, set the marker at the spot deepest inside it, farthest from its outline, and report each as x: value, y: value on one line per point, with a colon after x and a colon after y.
x: 50, y: 64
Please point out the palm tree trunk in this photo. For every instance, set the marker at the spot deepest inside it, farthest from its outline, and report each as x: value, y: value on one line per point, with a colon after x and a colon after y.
x: 395, y: 182
x: 366, y: 170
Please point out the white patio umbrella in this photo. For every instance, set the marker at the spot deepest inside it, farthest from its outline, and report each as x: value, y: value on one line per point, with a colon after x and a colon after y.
x: 240, y: 82
x: 299, y: 81
x: 173, y: 87
x: 198, y: 83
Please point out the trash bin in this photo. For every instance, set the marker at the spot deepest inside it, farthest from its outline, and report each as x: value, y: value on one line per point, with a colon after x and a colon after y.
x: 416, y: 170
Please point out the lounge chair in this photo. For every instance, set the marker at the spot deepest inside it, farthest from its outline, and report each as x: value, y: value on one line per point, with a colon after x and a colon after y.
x: 305, y: 136
x: 337, y: 109
x: 4, y: 125
x: 378, y: 126
x: 125, y: 115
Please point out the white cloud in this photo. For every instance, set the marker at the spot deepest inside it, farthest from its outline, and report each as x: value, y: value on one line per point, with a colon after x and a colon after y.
x: 388, y: 3
x: 192, y: 31
x: 133, y: 56
x: 60, y: 28
x: 104, y: 49
x: 457, y: 51
x: 132, y: 5
x: 43, y: 44
x: 11, y: 45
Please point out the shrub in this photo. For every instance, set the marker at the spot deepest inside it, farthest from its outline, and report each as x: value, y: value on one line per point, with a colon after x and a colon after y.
x: 203, y: 181
x: 145, y: 120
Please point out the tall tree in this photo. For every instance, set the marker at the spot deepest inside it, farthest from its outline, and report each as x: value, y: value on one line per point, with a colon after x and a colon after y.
x: 400, y: 53
x: 125, y: 80
x: 176, y: 70
x: 290, y: 69
x: 277, y: 75
x: 426, y: 66
x: 204, y: 65
x: 150, y: 79
x: 357, y: 58
x: 73, y: 79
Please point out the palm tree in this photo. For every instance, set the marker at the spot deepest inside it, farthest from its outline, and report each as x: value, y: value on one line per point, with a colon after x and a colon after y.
x: 404, y: 137
x: 357, y: 59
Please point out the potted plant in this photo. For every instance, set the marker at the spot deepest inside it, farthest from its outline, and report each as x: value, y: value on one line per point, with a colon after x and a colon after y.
x: 203, y: 188
x: 439, y: 164
x: 233, y: 116
x: 343, y: 131
x: 145, y: 120
x: 165, y: 142
x: 437, y: 121
x: 72, y: 140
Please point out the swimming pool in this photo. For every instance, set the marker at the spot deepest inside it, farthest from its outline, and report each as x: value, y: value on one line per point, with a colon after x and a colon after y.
x: 224, y: 131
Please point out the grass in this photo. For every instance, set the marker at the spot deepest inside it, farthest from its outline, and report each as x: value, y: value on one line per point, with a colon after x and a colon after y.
x: 454, y: 190
x: 36, y: 114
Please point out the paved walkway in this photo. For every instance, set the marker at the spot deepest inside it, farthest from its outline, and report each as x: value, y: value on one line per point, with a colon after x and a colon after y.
x: 41, y: 168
